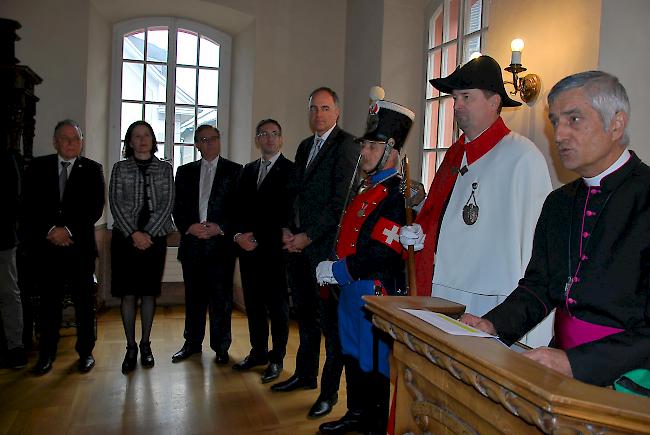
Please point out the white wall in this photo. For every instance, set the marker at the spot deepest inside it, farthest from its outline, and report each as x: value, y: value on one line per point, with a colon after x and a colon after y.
x: 625, y: 52
x: 363, y: 54
x: 285, y: 48
x: 403, y: 72
x: 241, y: 93
x: 54, y: 43
x: 300, y: 45
x: 97, y: 91
x: 561, y: 38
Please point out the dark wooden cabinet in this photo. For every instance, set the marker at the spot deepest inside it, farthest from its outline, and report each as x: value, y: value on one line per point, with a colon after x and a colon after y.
x: 18, y: 102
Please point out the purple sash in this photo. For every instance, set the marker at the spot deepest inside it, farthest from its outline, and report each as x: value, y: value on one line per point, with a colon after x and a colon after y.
x: 571, y: 331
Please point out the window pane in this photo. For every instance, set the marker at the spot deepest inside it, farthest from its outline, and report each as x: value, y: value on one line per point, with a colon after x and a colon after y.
x: 486, y: 17
x: 435, y: 28
x: 161, y: 151
x: 472, y: 44
x: 207, y: 115
x: 132, y: 76
x: 208, y: 53
x: 184, y: 154
x: 131, y: 112
x: 473, y: 16
x: 133, y: 45
x: 154, y: 114
x: 433, y: 72
x: 157, y: 39
x: 428, y: 168
x: 185, y: 85
x: 184, y: 125
x: 446, y: 124
x: 452, y: 23
x: 186, y: 47
x: 209, y: 87
x: 440, y: 156
x: 156, y: 83
x: 431, y: 124
x: 448, y: 60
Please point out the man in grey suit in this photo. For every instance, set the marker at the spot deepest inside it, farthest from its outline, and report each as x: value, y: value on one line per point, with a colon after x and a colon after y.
x: 325, y: 163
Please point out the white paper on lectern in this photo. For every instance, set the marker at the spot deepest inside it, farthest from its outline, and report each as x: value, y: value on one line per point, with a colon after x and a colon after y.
x: 447, y: 324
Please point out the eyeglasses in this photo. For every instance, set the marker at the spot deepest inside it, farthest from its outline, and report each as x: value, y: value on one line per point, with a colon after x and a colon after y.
x: 207, y: 139
x: 263, y: 134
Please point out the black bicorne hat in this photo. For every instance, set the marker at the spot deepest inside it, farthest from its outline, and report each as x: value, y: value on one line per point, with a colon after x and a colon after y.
x: 388, y: 120
x: 481, y: 73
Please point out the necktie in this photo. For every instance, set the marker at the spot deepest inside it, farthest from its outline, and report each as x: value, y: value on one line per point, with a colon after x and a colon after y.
x: 318, y: 143
x: 206, y: 188
x: 63, y: 178
x: 264, y: 169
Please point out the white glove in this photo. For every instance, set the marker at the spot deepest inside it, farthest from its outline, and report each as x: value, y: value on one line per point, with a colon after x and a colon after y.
x: 324, y: 273
x: 412, y: 235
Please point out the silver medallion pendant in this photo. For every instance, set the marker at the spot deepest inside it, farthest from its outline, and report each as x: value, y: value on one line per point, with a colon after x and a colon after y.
x: 470, y: 214
x: 470, y: 211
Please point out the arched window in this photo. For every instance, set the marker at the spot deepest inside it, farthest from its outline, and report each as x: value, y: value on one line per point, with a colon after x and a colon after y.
x: 457, y: 29
x: 174, y: 74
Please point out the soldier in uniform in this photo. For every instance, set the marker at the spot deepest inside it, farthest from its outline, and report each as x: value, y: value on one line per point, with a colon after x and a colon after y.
x: 369, y: 262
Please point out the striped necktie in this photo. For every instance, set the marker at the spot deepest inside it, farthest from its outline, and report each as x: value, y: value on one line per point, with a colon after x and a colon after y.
x: 318, y: 143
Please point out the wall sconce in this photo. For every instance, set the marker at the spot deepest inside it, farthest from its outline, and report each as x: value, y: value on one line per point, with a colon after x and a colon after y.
x: 527, y: 86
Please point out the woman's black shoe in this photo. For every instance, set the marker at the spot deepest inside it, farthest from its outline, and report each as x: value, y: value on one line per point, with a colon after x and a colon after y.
x: 146, y: 356
x: 130, y: 359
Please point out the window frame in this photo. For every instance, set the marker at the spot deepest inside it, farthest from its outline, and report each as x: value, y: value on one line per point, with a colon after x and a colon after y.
x: 173, y: 24
x: 440, y: 147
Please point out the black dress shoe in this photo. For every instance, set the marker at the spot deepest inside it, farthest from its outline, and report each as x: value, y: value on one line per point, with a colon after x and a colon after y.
x: 293, y: 383
x: 350, y: 422
x: 86, y: 363
x: 271, y: 372
x: 43, y: 365
x: 249, y: 362
x: 222, y: 358
x: 130, y: 359
x: 146, y: 355
x: 186, y: 351
x: 323, y: 406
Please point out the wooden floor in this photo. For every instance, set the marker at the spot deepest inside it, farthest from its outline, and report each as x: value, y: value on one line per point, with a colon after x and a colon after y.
x: 191, y: 397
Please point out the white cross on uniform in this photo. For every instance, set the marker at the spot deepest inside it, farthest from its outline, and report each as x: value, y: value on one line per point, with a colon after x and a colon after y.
x: 391, y: 235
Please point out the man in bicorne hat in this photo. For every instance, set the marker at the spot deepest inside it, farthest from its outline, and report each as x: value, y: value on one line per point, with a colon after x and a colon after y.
x: 369, y: 262
x: 475, y: 231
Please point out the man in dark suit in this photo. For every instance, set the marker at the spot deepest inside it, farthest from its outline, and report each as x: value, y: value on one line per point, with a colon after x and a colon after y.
x: 261, y: 214
x: 205, y: 201
x: 63, y: 198
x: 325, y: 163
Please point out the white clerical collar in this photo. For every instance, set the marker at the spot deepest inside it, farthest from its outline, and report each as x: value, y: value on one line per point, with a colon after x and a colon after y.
x: 325, y: 135
x: 595, y: 181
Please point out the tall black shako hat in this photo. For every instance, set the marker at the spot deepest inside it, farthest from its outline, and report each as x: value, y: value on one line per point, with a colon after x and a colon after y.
x: 482, y: 72
x: 386, y: 121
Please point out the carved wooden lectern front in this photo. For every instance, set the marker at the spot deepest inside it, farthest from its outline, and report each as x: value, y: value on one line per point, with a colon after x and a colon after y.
x: 466, y: 385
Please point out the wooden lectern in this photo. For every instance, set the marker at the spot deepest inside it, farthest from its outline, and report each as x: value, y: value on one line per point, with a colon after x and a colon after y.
x: 466, y: 385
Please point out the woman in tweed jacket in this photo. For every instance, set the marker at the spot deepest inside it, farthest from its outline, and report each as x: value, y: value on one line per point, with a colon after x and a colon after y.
x: 141, y: 198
